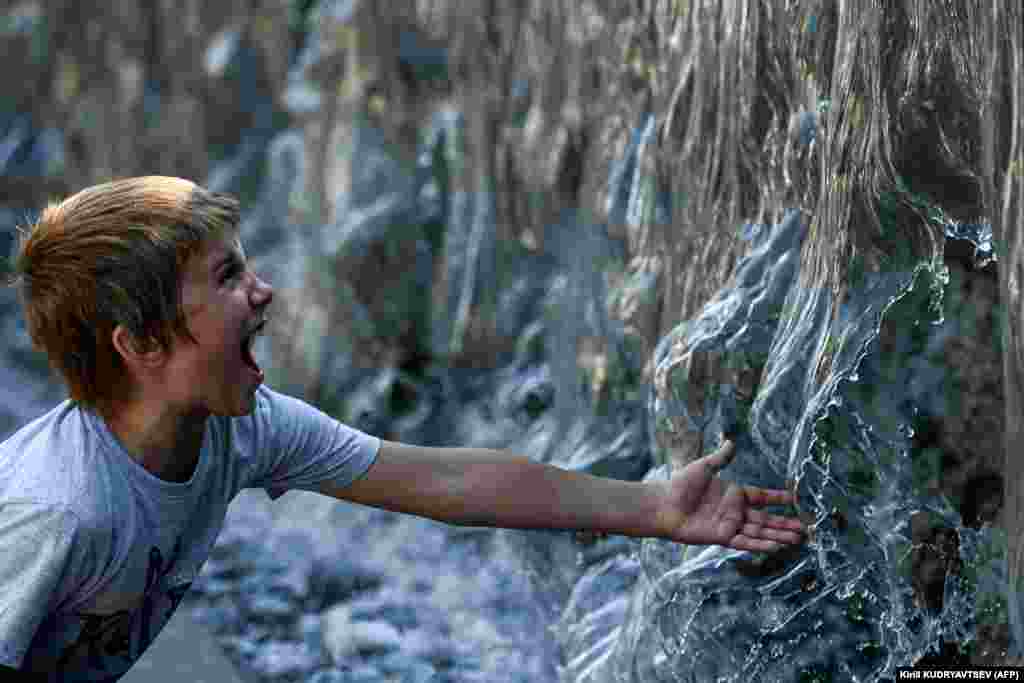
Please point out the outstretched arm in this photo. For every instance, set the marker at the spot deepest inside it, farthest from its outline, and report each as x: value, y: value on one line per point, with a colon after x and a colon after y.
x: 484, y: 487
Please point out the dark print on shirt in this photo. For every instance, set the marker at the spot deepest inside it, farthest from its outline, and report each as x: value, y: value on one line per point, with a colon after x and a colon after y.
x: 109, y: 644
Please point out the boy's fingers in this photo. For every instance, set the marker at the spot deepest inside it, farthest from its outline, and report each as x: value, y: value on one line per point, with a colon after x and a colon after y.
x: 775, y: 521
x: 759, y: 496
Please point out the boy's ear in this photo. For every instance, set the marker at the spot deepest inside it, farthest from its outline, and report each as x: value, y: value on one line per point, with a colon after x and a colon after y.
x: 133, y: 352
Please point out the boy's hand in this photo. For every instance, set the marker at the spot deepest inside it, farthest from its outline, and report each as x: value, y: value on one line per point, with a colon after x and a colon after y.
x: 702, y: 509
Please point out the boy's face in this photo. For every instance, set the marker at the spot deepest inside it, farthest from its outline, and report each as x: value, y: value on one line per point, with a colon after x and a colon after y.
x: 223, y: 302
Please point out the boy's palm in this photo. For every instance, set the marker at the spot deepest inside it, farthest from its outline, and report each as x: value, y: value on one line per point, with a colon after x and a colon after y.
x: 702, y: 509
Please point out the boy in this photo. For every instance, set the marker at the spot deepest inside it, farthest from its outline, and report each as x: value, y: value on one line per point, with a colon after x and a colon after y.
x: 139, y: 293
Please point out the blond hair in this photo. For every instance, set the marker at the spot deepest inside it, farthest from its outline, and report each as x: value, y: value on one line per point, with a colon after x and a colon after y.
x: 112, y: 254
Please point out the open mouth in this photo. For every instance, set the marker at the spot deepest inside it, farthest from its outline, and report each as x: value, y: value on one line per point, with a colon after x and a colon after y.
x: 247, y: 344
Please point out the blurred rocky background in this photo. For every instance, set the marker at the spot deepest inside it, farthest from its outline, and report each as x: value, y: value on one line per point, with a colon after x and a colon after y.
x: 602, y: 234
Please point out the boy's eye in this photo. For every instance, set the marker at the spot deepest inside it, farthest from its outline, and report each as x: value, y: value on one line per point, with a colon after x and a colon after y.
x: 233, y: 268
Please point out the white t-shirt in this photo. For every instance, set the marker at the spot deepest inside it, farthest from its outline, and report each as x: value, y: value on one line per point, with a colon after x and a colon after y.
x: 96, y: 552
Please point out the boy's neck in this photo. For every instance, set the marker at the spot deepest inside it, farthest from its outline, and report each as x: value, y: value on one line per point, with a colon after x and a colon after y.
x: 167, y: 446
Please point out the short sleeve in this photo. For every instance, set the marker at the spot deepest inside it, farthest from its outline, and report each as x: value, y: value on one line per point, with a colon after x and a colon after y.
x: 305, y: 447
x: 37, y: 542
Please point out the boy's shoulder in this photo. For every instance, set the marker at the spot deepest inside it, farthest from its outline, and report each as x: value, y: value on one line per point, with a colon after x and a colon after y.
x: 37, y: 458
x: 54, y: 463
